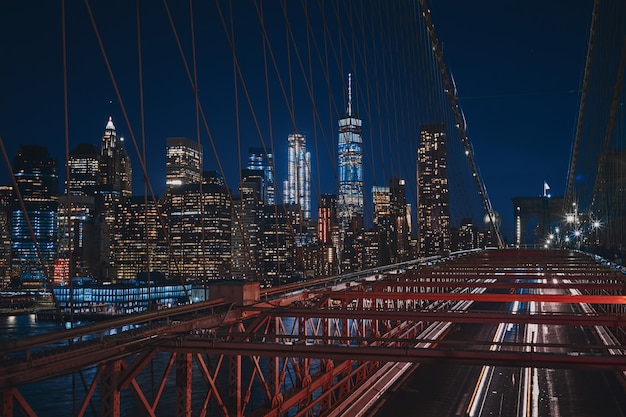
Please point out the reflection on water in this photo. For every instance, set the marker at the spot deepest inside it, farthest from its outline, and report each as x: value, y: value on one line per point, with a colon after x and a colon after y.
x: 63, y: 396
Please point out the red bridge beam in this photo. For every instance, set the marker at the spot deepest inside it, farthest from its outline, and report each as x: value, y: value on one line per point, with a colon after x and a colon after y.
x: 497, y: 298
x: 402, y: 354
x: 503, y: 285
x: 454, y: 316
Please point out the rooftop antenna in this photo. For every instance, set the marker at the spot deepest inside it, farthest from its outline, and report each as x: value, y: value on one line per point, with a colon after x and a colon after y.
x: 349, y: 113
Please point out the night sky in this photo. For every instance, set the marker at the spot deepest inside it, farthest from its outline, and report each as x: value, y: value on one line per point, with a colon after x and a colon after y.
x: 517, y: 65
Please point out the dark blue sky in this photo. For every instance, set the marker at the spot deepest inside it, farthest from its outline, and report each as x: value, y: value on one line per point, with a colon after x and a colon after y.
x: 517, y: 66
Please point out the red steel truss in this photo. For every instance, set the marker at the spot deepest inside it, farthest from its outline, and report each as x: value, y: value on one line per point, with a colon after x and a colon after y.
x: 304, y: 351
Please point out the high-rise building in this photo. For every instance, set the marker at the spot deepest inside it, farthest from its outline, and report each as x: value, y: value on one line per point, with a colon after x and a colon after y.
x: 261, y: 160
x: 399, y: 214
x: 84, y: 167
x: 183, y: 162
x: 350, y: 196
x: 6, y: 199
x: 200, y: 230
x: 114, y: 186
x: 382, y: 223
x: 328, y: 234
x: 115, y: 167
x: 279, y: 245
x: 246, y: 234
x: 75, y: 236
x: 37, y: 186
x: 433, y: 209
x: 139, y: 236
x: 297, y: 188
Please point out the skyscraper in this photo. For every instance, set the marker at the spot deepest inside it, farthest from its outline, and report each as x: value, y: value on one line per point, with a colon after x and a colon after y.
x: 115, y: 167
x: 183, y: 163
x: 200, y: 230
x: 382, y: 223
x: 259, y: 159
x: 139, y: 236
x: 297, y: 189
x: 37, y: 186
x: 6, y: 199
x: 247, y: 214
x: 84, y: 164
x: 327, y: 233
x: 433, y: 207
x: 350, y: 197
x: 399, y: 240
x: 114, y: 186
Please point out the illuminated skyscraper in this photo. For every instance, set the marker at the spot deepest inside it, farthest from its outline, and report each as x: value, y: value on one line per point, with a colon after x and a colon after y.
x: 328, y: 233
x: 37, y: 185
x: 6, y: 199
x: 297, y: 189
x: 200, y: 230
x: 114, y: 186
x: 261, y: 160
x: 84, y: 164
x: 183, y: 163
x: 433, y: 207
x: 115, y: 173
x: 246, y: 234
x: 279, y: 246
x: 139, y: 236
x: 115, y: 168
x: 399, y: 239
x: 382, y: 222
x: 350, y: 197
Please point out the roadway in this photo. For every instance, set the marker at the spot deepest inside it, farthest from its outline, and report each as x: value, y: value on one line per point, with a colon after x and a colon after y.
x: 448, y: 389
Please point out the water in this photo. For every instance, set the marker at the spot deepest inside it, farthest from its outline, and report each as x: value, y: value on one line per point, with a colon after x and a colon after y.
x: 63, y: 396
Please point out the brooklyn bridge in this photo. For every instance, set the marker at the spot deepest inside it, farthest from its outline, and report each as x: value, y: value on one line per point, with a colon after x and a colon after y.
x: 403, y: 299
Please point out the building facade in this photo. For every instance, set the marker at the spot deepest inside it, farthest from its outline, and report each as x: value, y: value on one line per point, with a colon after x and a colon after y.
x: 246, y: 233
x: 297, y: 186
x: 183, y: 162
x: 262, y: 160
x: 34, y: 216
x: 350, y: 173
x: 433, y: 210
x: 200, y: 225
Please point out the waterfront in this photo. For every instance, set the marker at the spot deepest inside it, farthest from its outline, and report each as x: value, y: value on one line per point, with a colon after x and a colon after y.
x: 63, y: 396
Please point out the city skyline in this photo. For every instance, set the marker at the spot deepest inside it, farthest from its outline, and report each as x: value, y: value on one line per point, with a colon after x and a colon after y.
x: 481, y: 100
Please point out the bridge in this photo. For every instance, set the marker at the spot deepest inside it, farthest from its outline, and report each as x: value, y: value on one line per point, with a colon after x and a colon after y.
x: 332, y: 322
x: 303, y: 350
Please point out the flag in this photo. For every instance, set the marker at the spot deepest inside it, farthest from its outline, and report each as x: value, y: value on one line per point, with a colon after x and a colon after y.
x: 546, y: 187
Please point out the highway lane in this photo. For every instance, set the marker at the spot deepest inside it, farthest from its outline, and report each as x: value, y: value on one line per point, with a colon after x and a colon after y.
x: 566, y: 392
x: 446, y: 389
x: 438, y: 388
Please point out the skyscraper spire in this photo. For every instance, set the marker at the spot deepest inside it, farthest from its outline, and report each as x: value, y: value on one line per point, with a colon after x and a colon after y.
x: 110, y: 127
x: 349, y: 110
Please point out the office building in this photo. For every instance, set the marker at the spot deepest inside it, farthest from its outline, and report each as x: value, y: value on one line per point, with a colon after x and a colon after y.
x: 6, y: 200
x: 34, y: 209
x: 200, y: 225
x: 297, y: 187
x: 327, y: 234
x: 433, y: 207
x: 262, y: 160
x: 246, y: 234
x: 350, y: 196
x: 84, y: 167
x: 140, y: 242
x: 399, y: 219
x: 183, y: 162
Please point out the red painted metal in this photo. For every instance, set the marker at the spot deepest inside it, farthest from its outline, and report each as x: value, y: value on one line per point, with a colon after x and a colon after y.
x: 325, y: 342
x: 484, y: 297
